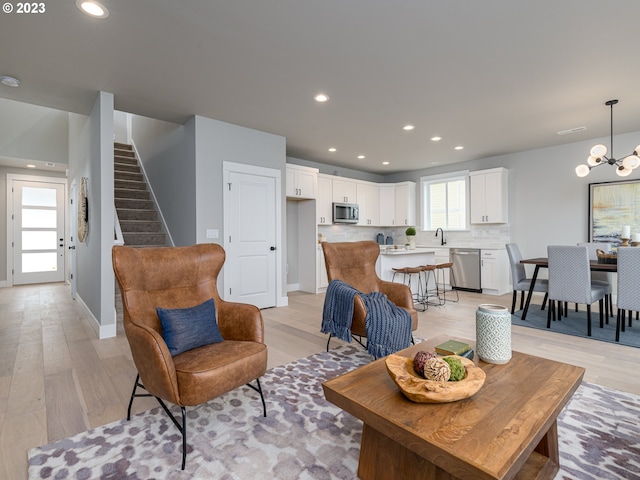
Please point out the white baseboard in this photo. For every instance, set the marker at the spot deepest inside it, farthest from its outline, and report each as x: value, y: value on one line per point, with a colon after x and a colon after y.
x: 3, y: 283
x: 282, y: 302
x: 292, y: 287
x: 103, y: 331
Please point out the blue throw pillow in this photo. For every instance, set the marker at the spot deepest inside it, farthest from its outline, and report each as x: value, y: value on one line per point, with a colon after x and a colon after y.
x: 187, y: 328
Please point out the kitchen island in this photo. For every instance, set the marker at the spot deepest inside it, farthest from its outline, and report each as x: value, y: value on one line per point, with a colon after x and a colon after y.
x: 392, y: 257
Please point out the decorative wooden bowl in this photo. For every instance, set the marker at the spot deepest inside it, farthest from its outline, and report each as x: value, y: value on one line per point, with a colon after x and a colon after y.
x: 420, y: 390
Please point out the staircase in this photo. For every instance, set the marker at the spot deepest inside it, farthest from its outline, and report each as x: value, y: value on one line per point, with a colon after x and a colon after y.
x: 136, y: 210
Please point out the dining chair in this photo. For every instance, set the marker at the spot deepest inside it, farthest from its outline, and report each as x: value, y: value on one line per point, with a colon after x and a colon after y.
x: 519, y: 278
x: 570, y: 281
x: 628, y: 286
x: 602, y: 279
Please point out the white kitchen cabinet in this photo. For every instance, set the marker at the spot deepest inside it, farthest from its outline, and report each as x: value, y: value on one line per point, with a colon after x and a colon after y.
x: 322, y: 280
x: 301, y: 182
x: 398, y: 204
x: 368, y: 200
x: 488, y: 196
x: 324, y: 212
x: 387, y: 204
x: 494, y: 271
x: 344, y: 191
x: 405, y: 204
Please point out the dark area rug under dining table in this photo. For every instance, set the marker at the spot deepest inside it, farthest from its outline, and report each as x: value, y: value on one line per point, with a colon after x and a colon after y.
x: 576, y: 324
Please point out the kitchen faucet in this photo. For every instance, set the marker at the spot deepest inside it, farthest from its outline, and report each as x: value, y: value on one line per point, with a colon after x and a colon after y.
x: 442, y: 240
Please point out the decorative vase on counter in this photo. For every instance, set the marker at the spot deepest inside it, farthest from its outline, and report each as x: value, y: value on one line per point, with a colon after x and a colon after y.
x: 493, y: 333
x: 411, y: 240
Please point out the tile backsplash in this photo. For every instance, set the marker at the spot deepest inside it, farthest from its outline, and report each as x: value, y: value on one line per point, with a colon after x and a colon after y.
x: 479, y: 236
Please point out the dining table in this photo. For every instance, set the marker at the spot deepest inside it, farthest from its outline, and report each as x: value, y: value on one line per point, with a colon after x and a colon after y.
x: 543, y: 262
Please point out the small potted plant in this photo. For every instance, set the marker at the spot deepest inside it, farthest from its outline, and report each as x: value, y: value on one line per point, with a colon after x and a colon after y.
x: 410, y: 232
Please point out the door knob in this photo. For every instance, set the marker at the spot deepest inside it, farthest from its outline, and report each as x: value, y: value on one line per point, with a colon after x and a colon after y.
x: 72, y: 247
x: 272, y: 248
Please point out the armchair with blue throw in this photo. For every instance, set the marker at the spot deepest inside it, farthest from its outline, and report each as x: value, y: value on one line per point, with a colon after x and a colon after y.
x: 351, y: 271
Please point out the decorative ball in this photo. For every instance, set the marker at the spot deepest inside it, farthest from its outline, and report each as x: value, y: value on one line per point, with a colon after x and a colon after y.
x: 437, y: 369
x: 457, y: 369
x: 420, y: 359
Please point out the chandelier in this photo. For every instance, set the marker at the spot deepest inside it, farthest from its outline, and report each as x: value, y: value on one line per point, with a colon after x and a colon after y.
x: 599, y: 156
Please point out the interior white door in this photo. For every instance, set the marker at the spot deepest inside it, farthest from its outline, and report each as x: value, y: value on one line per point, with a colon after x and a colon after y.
x: 251, y: 240
x: 73, y: 228
x: 38, y: 232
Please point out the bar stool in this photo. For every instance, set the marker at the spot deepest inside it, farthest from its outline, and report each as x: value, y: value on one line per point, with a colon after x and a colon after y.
x: 406, y: 273
x: 429, y: 271
x: 440, y: 270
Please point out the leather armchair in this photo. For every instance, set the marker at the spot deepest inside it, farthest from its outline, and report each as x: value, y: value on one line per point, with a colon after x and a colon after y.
x: 182, y: 277
x: 355, y: 263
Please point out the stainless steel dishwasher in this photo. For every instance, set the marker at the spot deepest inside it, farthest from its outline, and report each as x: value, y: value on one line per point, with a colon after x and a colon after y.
x: 466, y: 268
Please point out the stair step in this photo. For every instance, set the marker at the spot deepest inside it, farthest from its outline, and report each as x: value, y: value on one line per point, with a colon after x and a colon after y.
x: 125, y: 160
x: 123, y: 167
x: 123, y: 153
x: 119, y: 175
x: 134, y: 204
x: 124, y: 194
x: 125, y: 214
x: 122, y: 146
x: 144, y: 238
x: 133, y: 226
x: 130, y: 185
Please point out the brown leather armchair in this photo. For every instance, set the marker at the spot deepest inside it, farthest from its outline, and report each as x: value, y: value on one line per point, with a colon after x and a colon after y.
x: 182, y: 277
x: 355, y: 263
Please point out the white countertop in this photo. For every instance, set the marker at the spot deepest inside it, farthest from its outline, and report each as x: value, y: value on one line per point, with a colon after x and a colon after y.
x: 401, y: 250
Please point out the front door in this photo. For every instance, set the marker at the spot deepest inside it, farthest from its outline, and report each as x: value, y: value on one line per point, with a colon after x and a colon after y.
x: 250, y: 242
x: 38, y: 232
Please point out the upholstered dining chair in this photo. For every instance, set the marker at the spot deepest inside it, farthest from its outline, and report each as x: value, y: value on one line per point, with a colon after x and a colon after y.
x: 355, y: 263
x: 171, y: 303
x: 570, y: 281
x: 628, y: 286
x: 601, y: 279
x: 519, y: 278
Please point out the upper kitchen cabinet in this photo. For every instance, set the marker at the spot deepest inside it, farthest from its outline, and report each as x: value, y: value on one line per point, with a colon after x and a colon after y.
x: 324, y: 212
x: 368, y: 199
x: 301, y: 182
x: 397, y: 204
x: 405, y: 203
x: 488, y: 196
x: 344, y: 191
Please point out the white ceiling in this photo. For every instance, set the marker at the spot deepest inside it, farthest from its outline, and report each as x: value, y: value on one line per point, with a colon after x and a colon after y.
x: 495, y: 76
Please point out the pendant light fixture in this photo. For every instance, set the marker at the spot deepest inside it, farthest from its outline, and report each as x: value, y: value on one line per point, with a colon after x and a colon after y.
x: 599, y: 156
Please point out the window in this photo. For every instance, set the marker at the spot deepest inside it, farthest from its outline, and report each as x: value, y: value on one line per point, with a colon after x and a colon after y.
x: 444, y: 201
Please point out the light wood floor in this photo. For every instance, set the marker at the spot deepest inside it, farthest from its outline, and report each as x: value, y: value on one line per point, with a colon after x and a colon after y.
x: 57, y: 379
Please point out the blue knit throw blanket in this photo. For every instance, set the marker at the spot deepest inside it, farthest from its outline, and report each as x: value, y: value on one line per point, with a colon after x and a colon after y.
x: 388, y: 326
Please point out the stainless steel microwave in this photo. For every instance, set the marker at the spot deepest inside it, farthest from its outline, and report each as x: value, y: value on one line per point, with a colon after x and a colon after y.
x: 345, y: 213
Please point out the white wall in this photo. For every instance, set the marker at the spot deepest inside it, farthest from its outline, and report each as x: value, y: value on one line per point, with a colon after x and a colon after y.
x: 218, y: 142
x: 167, y: 151
x: 33, y: 133
x: 91, y: 156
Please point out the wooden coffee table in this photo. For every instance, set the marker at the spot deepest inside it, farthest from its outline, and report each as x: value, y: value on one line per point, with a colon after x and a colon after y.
x: 506, y: 430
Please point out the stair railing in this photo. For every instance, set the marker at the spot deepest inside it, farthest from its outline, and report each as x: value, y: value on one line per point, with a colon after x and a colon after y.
x: 153, y: 195
x: 117, y: 230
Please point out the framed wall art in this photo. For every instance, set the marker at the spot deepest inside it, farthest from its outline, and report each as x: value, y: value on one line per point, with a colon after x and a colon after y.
x: 612, y: 206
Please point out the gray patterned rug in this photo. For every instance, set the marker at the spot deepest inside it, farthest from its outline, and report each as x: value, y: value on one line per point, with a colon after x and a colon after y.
x: 305, y: 437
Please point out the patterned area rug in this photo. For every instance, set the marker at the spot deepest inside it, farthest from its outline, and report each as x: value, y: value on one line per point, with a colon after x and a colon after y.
x: 305, y: 437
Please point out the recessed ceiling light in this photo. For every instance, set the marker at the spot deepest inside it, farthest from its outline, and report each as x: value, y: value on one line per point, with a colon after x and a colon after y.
x: 385, y: 163
x: 321, y: 97
x: 408, y: 127
x: 31, y: 166
x: 459, y: 147
x: 435, y: 163
x: 436, y: 139
x: 361, y: 157
x: 332, y: 149
x: 92, y: 8
x: 9, y: 81
x: 50, y: 164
